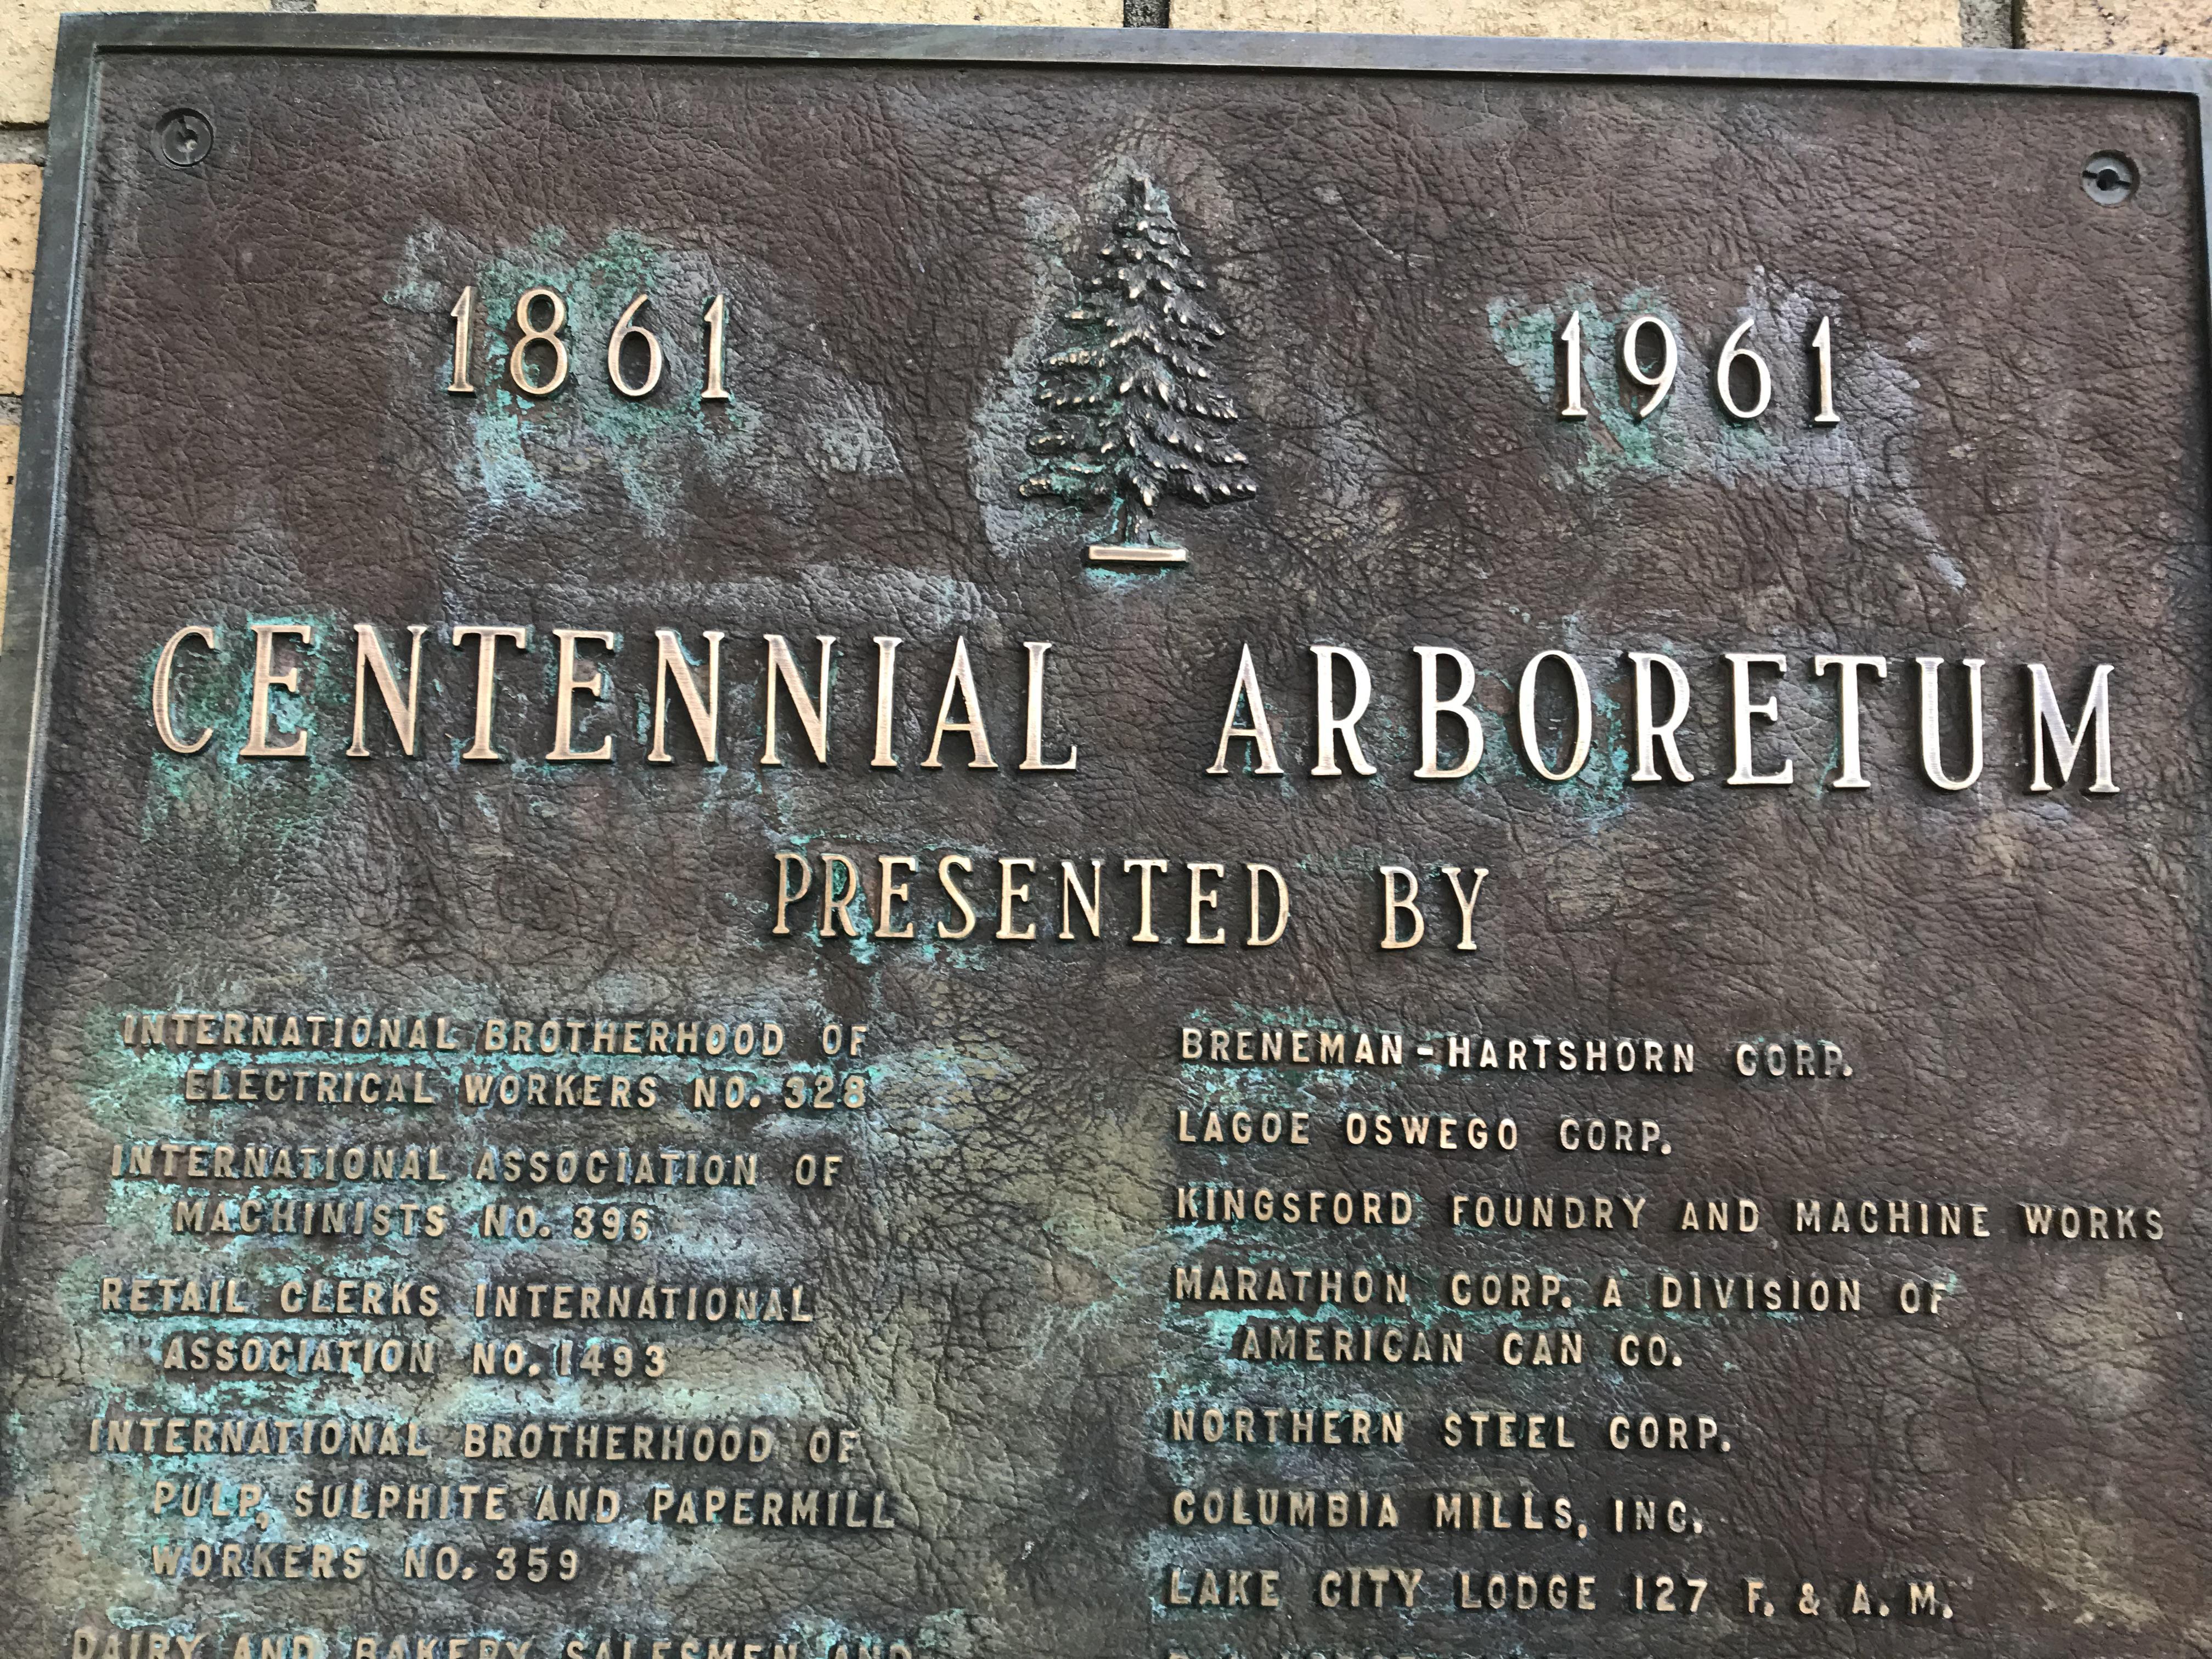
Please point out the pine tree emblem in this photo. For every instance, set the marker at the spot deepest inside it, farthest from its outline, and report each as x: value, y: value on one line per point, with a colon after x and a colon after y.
x: 1133, y: 412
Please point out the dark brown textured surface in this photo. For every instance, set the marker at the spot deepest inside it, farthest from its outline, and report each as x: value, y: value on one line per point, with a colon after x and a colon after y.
x: 259, y: 434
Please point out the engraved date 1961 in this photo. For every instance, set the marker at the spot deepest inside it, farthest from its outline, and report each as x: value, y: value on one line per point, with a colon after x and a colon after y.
x: 1651, y: 358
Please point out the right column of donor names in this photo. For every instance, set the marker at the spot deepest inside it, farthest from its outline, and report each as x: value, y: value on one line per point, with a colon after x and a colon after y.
x: 1475, y: 1342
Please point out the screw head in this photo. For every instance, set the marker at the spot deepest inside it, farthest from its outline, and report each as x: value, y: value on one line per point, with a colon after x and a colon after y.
x: 185, y: 136
x: 2109, y: 178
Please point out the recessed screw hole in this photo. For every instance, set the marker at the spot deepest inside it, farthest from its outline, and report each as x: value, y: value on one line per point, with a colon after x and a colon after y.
x: 184, y: 138
x: 2109, y: 179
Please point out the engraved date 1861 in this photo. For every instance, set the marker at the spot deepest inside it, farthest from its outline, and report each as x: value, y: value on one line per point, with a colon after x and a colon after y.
x: 538, y: 364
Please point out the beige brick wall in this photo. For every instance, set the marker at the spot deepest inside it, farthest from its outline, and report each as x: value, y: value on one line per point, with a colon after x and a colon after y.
x: 1072, y: 13
x: 1870, y: 22
x: 27, y: 26
x: 2149, y: 26
x: 19, y: 184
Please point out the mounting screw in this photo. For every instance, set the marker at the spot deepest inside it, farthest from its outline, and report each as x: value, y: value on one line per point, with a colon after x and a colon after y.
x: 184, y: 138
x: 2109, y: 178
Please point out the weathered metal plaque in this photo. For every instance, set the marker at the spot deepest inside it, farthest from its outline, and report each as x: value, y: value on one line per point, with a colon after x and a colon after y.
x: 848, y: 844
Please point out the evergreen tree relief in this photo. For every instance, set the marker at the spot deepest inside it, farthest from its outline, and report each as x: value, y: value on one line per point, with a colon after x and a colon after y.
x: 1133, y: 413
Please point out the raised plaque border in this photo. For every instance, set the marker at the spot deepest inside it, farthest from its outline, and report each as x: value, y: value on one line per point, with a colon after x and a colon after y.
x: 41, y: 506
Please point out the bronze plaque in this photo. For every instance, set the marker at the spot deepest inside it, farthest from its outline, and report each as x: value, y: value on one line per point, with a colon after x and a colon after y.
x: 847, y: 844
